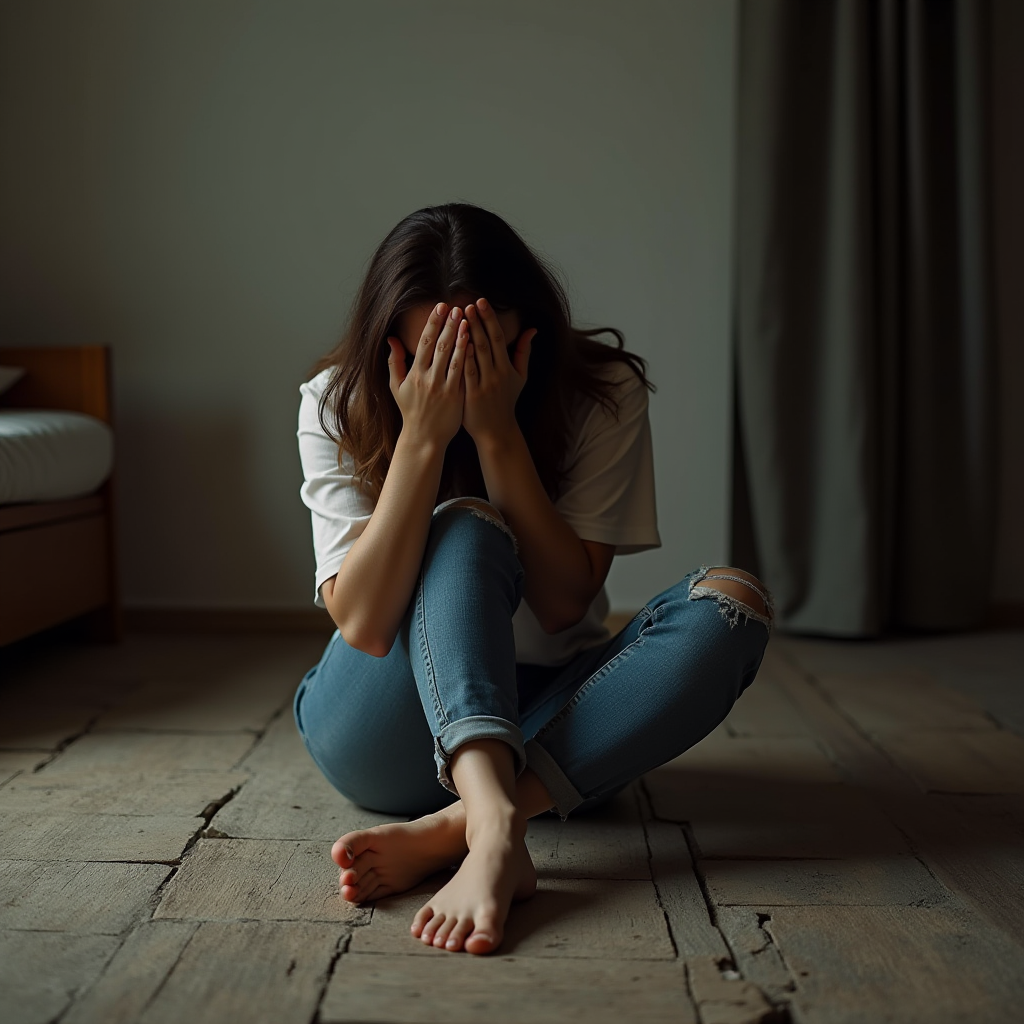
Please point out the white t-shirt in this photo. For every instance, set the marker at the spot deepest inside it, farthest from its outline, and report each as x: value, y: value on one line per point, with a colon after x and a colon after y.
x: 607, y: 496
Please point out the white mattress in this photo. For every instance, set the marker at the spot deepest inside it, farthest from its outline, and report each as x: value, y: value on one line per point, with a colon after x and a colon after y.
x: 48, y: 456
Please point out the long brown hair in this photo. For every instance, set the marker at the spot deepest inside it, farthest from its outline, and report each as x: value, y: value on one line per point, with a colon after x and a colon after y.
x: 432, y: 255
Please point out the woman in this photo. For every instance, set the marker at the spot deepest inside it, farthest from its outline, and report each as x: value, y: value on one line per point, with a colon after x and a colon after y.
x: 471, y: 680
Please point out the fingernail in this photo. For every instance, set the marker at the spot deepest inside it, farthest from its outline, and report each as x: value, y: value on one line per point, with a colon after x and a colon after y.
x: 349, y: 853
x: 439, y: 308
x: 482, y: 303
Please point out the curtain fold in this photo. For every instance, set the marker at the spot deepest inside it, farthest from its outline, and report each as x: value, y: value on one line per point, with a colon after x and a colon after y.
x: 865, y: 444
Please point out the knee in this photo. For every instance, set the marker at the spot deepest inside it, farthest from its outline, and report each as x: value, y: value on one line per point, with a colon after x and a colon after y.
x: 475, y: 508
x: 735, y: 590
x: 483, y: 508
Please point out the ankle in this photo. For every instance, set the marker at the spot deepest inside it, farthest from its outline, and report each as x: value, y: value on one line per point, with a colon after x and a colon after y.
x: 451, y: 824
x: 501, y: 822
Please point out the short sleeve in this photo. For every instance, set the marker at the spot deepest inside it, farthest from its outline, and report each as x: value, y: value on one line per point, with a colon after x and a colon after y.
x: 608, y: 495
x: 338, y: 507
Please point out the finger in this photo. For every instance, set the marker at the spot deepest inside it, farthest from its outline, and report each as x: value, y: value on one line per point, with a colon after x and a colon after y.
x: 458, y: 362
x: 521, y: 356
x: 481, y: 340
x: 396, y: 364
x: 472, y: 373
x: 446, y: 344
x: 432, y: 329
x: 490, y: 322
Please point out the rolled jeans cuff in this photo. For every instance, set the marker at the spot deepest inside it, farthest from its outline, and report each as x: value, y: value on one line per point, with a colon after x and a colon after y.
x: 565, y: 795
x: 475, y: 727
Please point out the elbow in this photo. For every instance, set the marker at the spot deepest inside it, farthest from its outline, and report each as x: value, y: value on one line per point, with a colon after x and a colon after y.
x: 361, y: 637
x: 375, y: 646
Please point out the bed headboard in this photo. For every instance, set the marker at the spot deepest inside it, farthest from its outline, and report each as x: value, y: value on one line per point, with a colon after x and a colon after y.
x: 75, y: 378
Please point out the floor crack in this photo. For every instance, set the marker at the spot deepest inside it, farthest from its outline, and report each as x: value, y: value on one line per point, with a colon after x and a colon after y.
x: 339, y: 951
x: 643, y: 807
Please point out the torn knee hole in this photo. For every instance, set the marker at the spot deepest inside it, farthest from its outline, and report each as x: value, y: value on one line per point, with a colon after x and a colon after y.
x: 746, y: 595
x: 475, y: 504
x: 486, y: 511
x: 735, y: 593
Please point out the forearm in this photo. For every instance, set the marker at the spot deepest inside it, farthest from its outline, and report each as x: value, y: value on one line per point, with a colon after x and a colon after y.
x: 375, y: 583
x: 558, y: 571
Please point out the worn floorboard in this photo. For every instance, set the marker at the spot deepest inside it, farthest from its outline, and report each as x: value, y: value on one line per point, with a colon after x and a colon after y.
x: 369, y: 988
x: 899, y: 880
x: 25, y: 835
x: 287, y: 796
x: 41, y: 973
x: 848, y: 846
x: 260, y: 972
x: 15, y: 762
x: 105, y: 791
x: 74, y: 897
x: 863, y: 965
x: 264, y: 879
x: 577, y: 917
x: 134, y: 975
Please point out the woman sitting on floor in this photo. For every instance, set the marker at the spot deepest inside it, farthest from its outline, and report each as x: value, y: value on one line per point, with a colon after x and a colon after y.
x: 473, y: 463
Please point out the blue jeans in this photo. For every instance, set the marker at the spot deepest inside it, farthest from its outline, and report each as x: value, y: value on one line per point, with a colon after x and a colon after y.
x: 382, y: 730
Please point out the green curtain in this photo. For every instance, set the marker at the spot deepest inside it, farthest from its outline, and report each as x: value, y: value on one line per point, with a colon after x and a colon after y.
x: 865, y: 461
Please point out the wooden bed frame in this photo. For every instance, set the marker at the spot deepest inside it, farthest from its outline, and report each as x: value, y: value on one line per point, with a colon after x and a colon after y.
x: 57, y: 558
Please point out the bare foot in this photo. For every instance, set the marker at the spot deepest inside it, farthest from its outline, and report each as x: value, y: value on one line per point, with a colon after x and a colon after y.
x: 470, y: 911
x: 387, y: 859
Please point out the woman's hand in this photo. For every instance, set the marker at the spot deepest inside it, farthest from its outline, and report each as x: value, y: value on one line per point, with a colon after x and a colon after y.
x: 431, y: 394
x: 493, y: 381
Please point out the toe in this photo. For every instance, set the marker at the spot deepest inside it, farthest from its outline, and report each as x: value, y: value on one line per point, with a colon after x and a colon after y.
x: 457, y: 936
x: 357, y: 891
x: 359, y: 868
x: 342, y: 852
x: 442, y: 933
x: 430, y: 928
x: 350, y: 846
x: 486, y: 935
x: 480, y: 942
x: 423, y: 915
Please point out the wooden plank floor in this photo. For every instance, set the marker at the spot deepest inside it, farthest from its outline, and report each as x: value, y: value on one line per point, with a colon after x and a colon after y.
x: 847, y: 847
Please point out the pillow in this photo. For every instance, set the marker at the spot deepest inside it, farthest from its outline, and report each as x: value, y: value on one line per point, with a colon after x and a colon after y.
x: 9, y: 376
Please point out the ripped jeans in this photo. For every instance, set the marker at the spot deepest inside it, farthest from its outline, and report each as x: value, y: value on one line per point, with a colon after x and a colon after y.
x: 382, y: 730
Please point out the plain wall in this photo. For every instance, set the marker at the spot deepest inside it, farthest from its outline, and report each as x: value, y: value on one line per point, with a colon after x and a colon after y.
x: 200, y: 186
x: 1007, y: 128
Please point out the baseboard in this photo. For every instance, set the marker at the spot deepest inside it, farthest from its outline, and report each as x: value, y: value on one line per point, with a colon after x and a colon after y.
x: 1007, y: 615
x: 227, y: 620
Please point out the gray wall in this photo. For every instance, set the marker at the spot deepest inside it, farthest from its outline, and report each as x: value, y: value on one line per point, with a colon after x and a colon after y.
x: 1008, y: 149
x: 201, y: 184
